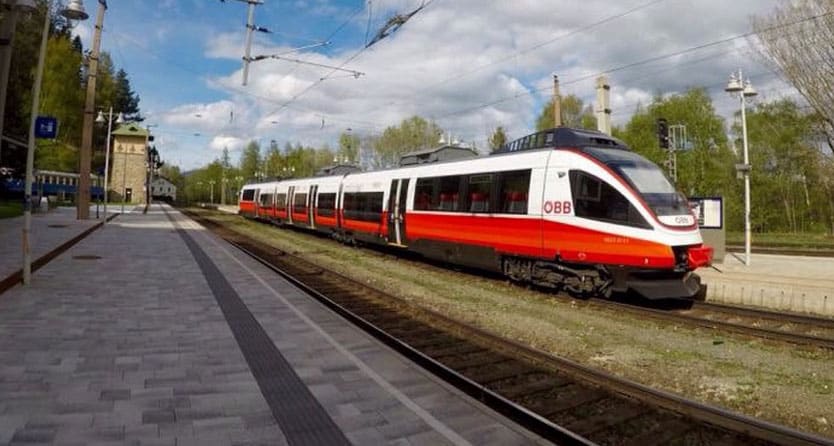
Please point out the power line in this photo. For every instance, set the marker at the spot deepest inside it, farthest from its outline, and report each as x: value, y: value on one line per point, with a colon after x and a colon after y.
x: 636, y: 64
x: 241, y: 91
x: 327, y: 76
x: 537, y: 46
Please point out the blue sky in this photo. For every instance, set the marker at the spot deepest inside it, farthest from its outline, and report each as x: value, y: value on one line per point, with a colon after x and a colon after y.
x: 470, y: 65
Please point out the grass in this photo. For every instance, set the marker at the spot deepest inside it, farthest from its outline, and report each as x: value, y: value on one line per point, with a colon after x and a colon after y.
x: 784, y: 240
x: 9, y: 209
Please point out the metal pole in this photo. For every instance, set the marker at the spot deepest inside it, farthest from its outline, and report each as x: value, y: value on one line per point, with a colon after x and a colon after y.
x: 124, y: 182
x: 85, y: 153
x: 107, y: 161
x: 30, y: 156
x: 746, y: 178
x: 147, y: 171
x: 250, y: 27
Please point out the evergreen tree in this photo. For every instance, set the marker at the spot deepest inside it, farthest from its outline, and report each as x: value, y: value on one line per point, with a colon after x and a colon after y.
x: 497, y: 139
x: 126, y: 100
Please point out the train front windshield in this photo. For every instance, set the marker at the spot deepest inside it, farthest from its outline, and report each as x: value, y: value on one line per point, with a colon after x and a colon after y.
x: 646, y: 178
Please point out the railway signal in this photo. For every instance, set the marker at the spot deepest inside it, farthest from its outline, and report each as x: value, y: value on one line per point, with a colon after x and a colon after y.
x: 663, y: 133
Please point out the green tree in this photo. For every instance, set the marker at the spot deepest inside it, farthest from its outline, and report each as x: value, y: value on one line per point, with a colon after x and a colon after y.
x: 412, y: 134
x: 800, y: 51
x: 497, y: 139
x: 708, y: 167
x: 789, y: 174
x: 62, y: 97
x: 574, y: 114
x: 348, y: 147
x: 273, y: 160
x: 250, y: 160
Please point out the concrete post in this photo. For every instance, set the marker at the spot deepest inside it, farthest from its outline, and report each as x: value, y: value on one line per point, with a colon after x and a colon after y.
x: 603, y: 110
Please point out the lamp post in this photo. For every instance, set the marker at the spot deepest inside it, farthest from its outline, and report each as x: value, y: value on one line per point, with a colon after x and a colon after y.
x: 100, y: 119
x: 74, y: 11
x: 239, y: 180
x: 85, y: 152
x: 148, y: 177
x: 223, y: 185
x: 737, y: 86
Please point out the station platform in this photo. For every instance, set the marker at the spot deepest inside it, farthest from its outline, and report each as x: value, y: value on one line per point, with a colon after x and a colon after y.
x: 777, y: 282
x: 49, y: 231
x: 153, y: 331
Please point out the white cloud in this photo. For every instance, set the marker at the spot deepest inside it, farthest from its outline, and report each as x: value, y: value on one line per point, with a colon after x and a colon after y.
x: 473, y: 65
x: 233, y: 143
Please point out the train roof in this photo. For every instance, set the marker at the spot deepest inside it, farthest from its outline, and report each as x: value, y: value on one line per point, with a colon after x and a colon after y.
x: 562, y: 137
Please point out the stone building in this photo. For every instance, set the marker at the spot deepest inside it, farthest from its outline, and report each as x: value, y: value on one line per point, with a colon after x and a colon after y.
x: 128, y: 163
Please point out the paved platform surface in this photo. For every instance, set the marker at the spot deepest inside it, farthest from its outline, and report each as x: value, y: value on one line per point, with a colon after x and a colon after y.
x: 792, y: 283
x: 134, y: 348
x: 49, y: 230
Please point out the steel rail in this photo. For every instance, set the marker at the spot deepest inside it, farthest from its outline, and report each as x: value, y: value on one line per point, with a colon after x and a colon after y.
x: 671, y: 316
x: 732, y: 421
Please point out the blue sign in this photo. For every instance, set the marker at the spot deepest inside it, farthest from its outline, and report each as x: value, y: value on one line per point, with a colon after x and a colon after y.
x: 46, y: 127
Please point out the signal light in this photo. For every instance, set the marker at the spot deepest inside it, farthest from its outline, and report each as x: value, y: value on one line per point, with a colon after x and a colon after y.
x: 663, y: 133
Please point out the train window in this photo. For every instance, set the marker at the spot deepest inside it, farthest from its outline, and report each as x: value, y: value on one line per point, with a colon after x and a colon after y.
x: 513, y: 188
x: 449, y: 193
x: 248, y: 195
x: 548, y: 140
x: 363, y: 206
x: 327, y: 204
x: 423, y: 195
x: 480, y: 186
x: 539, y: 140
x: 281, y: 202
x: 265, y: 200
x: 597, y: 200
x: 299, y: 203
x: 438, y: 194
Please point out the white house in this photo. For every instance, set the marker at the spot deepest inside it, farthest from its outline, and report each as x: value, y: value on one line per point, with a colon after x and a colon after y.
x: 163, y: 189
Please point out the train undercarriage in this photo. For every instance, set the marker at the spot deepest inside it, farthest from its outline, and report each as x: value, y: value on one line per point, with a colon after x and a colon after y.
x: 585, y: 281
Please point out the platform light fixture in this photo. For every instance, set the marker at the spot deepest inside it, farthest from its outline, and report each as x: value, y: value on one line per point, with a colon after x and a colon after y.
x: 120, y: 119
x: 73, y: 12
x: 738, y: 86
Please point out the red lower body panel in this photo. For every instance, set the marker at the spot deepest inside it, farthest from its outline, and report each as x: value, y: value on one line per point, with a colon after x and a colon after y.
x: 535, y: 237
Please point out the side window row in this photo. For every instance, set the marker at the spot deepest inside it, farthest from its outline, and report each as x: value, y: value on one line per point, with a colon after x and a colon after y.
x: 497, y: 192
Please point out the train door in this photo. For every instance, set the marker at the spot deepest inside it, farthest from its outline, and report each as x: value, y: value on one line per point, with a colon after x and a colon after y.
x: 311, y: 206
x: 396, y: 212
x: 290, y: 198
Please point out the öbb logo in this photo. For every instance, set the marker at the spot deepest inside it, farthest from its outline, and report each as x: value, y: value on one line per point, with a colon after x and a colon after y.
x: 558, y: 207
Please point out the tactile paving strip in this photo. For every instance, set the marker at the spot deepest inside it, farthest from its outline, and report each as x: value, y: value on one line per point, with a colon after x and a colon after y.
x: 302, y: 419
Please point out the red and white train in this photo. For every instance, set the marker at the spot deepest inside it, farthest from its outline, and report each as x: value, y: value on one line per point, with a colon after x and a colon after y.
x: 563, y: 208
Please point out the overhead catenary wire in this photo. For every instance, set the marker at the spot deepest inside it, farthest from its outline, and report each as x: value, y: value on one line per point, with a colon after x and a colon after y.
x: 327, y: 76
x: 631, y: 65
x: 514, y: 55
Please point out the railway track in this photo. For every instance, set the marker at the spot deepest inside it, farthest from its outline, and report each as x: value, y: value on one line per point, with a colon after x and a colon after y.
x: 785, y: 251
x: 792, y: 328
x: 561, y: 400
